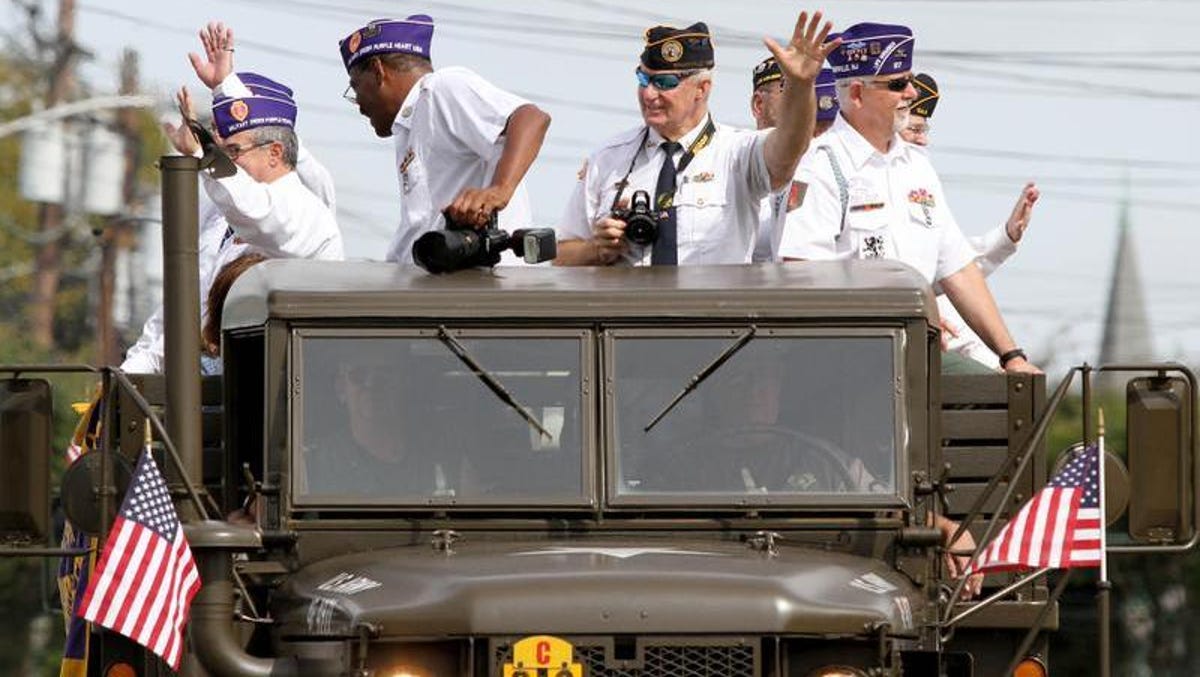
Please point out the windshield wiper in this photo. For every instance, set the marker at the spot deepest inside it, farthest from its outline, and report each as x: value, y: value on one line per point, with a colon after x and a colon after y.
x: 490, y: 381
x: 704, y: 373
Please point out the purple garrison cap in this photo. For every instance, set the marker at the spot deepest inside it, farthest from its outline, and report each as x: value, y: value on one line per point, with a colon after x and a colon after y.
x: 827, y: 103
x: 259, y: 85
x: 262, y: 85
x: 870, y: 50
x: 233, y: 115
x: 388, y: 36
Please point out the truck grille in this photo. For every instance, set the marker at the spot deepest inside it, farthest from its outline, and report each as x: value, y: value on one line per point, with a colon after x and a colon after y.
x: 663, y: 658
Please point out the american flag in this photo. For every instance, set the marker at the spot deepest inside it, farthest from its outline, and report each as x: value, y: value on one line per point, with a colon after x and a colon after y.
x: 1058, y: 528
x: 146, y: 578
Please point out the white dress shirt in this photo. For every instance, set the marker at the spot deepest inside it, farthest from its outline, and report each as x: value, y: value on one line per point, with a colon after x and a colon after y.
x: 896, y: 207
x: 716, y: 202
x: 449, y: 136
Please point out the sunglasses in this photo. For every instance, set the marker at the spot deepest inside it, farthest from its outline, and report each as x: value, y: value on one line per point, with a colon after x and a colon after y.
x: 896, y: 85
x: 663, y: 82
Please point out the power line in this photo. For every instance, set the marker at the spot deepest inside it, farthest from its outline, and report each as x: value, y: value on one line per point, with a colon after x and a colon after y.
x: 1093, y: 160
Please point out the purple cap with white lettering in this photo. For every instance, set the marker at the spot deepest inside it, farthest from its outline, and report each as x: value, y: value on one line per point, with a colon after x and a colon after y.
x: 270, y: 105
x: 388, y: 36
x: 872, y: 50
x: 261, y: 84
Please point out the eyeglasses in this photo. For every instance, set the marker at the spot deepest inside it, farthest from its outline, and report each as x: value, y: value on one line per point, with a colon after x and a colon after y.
x: 235, y: 151
x: 663, y: 82
x: 349, y: 94
x: 919, y: 129
x: 895, y: 85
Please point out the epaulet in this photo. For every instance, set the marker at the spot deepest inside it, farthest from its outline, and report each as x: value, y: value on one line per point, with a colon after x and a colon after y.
x: 624, y: 138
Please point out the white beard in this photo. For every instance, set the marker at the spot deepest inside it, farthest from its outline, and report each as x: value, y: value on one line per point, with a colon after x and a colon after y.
x: 900, y: 120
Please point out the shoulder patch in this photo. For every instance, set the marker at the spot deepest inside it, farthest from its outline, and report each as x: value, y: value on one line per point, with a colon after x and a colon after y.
x: 796, y: 195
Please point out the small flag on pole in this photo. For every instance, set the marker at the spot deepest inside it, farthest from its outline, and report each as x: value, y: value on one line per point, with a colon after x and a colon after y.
x: 1060, y: 527
x: 146, y: 578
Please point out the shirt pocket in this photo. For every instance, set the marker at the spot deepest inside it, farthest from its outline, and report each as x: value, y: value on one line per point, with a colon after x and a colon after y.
x: 702, y: 211
x: 867, y: 233
x: 923, y: 216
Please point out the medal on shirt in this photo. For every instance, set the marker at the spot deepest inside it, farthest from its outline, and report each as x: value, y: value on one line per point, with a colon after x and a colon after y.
x: 925, y: 199
x: 405, y: 181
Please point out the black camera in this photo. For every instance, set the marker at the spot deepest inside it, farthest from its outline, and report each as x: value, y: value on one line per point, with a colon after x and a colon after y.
x: 641, y: 223
x: 461, y: 246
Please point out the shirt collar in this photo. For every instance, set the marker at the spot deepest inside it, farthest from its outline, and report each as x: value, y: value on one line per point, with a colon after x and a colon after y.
x: 654, y: 139
x: 404, y: 116
x: 859, y: 149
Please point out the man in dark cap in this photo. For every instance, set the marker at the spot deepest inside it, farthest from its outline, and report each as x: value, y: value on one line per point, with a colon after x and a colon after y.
x: 701, y: 182
x: 871, y: 195
x: 463, y: 145
x: 921, y: 109
x: 994, y: 247
x: 765, y: 104
x: 767, y: 94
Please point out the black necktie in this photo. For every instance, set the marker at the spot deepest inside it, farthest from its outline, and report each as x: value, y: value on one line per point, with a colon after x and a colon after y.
x: 665, y: 252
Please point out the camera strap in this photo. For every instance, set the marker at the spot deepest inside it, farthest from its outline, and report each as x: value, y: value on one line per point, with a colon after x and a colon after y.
x: 705, y: 137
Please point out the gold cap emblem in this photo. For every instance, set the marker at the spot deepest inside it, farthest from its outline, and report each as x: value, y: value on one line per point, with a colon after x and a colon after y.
x: 672, y: 51
x: 239, y: 110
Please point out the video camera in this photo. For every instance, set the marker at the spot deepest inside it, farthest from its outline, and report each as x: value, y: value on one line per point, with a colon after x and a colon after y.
x: 461, y: 246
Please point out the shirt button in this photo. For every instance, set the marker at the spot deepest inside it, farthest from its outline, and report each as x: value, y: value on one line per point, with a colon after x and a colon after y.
x: 406, y: 112
x: 700, y: 201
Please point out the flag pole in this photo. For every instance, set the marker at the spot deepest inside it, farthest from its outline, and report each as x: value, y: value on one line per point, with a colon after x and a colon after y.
x: 1104, y: 587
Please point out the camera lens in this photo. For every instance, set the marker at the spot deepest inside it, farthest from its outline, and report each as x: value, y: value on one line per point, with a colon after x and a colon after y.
x: 641, y: 228
x: 444, y: 251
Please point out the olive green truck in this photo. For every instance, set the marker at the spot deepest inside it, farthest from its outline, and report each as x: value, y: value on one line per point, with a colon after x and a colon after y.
x: 732, y: 471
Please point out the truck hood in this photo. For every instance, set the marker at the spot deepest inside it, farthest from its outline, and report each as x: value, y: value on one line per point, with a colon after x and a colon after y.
x: 590, y: 587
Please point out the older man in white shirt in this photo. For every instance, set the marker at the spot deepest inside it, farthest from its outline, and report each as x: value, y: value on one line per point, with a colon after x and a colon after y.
x: 702, y: 181
x: 869, y: 194
x: 279, y: 202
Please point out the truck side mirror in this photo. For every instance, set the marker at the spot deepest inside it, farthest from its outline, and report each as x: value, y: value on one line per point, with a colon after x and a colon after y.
x: 1159, y: 442
x: 25, y: 424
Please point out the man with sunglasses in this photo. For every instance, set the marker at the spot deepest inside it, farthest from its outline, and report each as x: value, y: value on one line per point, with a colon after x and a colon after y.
x: 463, y: 145
x: 869, y: 194
x: 704, y: 181
x: 268, y: 206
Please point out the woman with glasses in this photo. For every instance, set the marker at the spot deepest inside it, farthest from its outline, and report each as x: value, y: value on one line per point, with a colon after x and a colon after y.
x: 700, y: 182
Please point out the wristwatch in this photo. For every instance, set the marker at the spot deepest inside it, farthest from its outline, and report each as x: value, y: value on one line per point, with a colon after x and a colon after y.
x: 1012, y: 355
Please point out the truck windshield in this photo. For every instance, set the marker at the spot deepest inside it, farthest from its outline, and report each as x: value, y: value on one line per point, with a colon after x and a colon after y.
x: 797, y: 414
x: 400, y: 419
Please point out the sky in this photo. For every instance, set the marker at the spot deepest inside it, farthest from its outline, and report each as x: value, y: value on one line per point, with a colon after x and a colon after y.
x: 1095, y: 100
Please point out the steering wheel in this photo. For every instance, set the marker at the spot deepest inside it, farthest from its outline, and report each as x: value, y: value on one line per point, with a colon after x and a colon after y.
x: 758, y: 458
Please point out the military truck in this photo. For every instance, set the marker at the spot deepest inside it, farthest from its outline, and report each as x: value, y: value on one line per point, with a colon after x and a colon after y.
x: 538, y: 471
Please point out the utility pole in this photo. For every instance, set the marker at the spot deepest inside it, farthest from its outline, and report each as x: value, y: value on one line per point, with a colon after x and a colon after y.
x: 48, y: 260
x: 118, y: 234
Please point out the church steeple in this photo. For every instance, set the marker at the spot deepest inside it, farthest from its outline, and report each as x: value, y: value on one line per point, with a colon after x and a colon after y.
x: 1127, y: 335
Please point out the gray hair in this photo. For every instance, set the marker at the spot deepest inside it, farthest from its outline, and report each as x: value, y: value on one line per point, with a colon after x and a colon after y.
x: 284, y: 136
x: 402, y: 63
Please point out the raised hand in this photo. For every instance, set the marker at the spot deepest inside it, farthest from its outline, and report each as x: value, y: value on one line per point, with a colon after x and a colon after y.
x: 1022, y: 212
x: 217, y: 62
x: 181, y: 137
x: 803, y: 57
